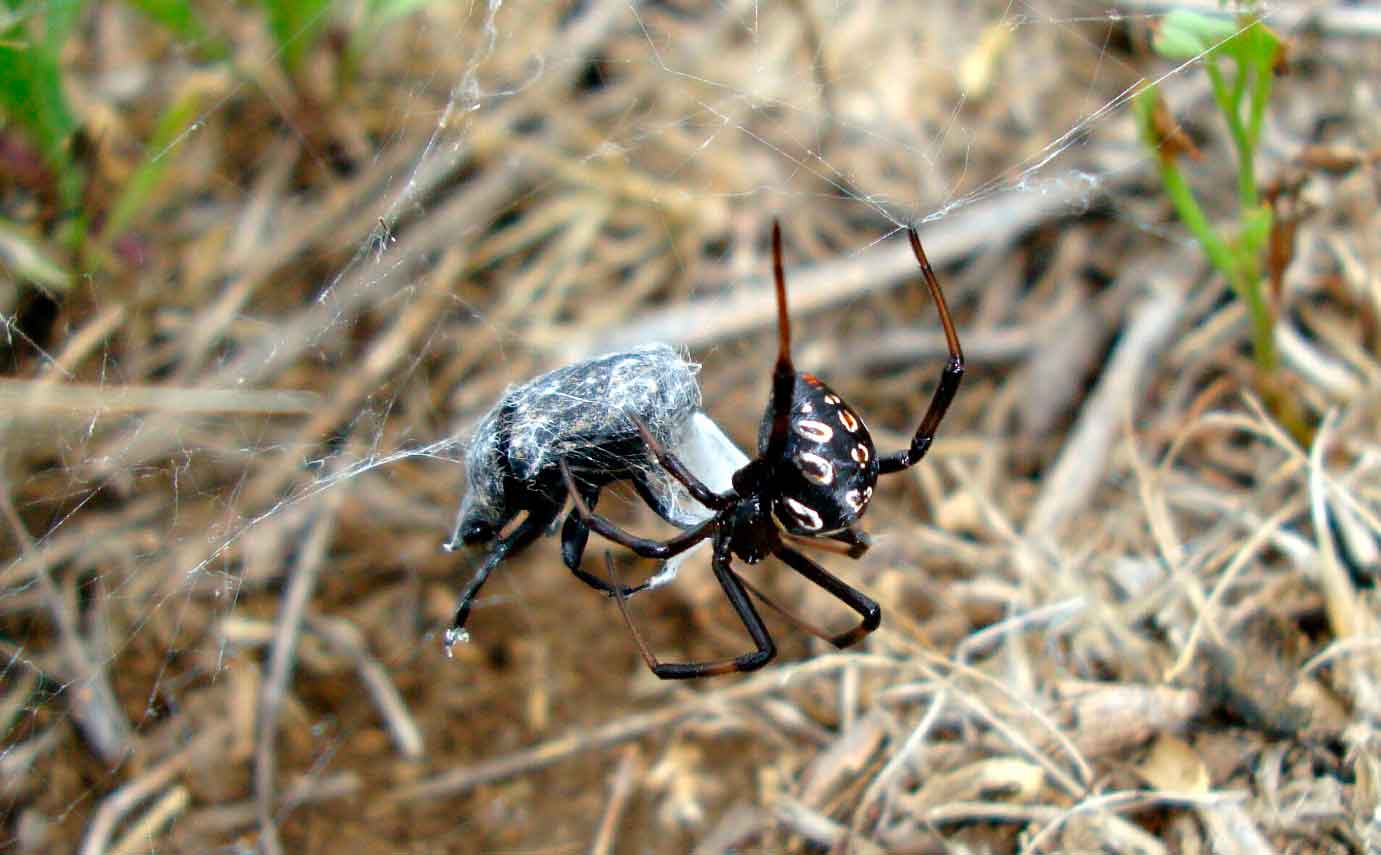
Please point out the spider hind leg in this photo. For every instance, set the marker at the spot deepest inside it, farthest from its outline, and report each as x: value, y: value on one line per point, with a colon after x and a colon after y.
x: 738, y: 597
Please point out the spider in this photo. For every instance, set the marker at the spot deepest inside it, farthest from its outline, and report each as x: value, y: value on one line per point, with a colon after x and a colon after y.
x: 813, y: 478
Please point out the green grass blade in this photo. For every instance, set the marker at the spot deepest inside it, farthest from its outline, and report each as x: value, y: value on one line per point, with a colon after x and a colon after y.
x: 296, y: 25
x: 176, y: 119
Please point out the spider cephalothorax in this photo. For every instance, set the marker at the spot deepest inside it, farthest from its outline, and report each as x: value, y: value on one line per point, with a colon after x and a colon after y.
x: 815, y: 472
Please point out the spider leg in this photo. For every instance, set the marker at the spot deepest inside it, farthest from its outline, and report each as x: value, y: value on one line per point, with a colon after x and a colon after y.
x: 856, y: 600
x: 790, y: 616
x: 527, y: 531
x: 574, y: 535
x: 646, y: 547
x: 949, y: 378
x: 697, y: 488
x: 857, y: 540
x: 738, y: 598
x: 643, y: 487
x: 784, y: 373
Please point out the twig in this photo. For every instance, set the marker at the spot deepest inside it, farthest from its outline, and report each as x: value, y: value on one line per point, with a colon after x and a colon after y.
x: 142, y: 835
x: 740, y: 822
x: 301, y: 584
x: 562, y: 747
x: 93, y: 701
x: 345, y: 638
x: 122, y: 801
x: 397, y: 344
x: 92, y: 333
x: 39, y: 399
x: 750, y: 305
x: 1346, y: 615
x: 885, y: 779
x: 619, y: 791
x: 821, y: 830
x: 223, y: 819
x: 1070, y: 482
x: 65, y: 545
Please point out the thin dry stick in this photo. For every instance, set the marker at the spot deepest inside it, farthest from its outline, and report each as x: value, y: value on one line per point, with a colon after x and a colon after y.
x: 93, y: 701
x: 396, y: 345
x: 42, y: 399
x: 207, y: 744
x: 366, y: 284
x: 1340, y: 597
x: 1210, y: 609
x: 362, y: 288
x: 619, y: 791
x: 632, y: 727
x: 1069, y: 483
x: 83, y: 342
x: 346, y: 639
x: 890, y: 772
x: 820, y: 829
x: 143, y: 835
x: 1126, y: 801
x: 68, y: 543
x: 751, y: 305
x: 301, y: 584
x: 223, y: 819
x: 314, y: 226
x: 1081, y: 765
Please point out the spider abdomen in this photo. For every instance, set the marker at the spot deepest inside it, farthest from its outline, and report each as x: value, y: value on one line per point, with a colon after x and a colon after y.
x: 830, y: 466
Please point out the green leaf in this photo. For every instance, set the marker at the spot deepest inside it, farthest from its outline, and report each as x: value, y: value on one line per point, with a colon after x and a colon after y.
x: 176, y: 15
x: 31, y: 91
x: 176, y: 119
x: 379, y: 12
x: 1185, y: 35
x: 182, y: 19
x: 1258, y: 45
x: 296, y: 25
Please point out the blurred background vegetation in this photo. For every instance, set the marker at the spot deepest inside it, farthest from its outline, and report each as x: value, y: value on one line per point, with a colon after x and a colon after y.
x: 262, y: 266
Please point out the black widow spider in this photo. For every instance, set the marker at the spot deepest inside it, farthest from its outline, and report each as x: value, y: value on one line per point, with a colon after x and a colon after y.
x: 813, y: 478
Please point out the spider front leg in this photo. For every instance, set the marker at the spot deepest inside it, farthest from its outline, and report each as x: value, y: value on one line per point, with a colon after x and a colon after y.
x: 950, y: 377
x: 857, y: 540
x: 671, y: 463
x: 738, y: 598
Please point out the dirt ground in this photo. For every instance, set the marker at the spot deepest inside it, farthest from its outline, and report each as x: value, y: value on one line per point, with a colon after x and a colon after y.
x: 1125, y: 609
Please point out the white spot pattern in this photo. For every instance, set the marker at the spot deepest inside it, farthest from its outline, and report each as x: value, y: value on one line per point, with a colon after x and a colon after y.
x: 811, y: 429
x: 815, y: 468
x: 808, y: 518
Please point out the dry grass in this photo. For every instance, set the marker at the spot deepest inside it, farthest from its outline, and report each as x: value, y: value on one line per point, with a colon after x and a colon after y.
x: 1124, y: 612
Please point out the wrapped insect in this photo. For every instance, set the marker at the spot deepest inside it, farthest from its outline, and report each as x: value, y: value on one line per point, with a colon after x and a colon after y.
x: 586, y: 415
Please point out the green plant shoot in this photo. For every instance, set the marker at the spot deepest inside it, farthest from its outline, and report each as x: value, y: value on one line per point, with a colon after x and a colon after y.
x: 1240, y: 58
